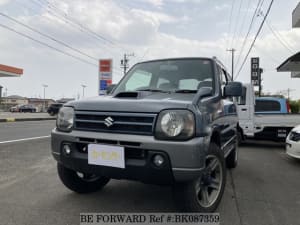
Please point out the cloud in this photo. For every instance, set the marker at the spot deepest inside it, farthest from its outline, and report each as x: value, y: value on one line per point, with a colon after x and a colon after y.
x: 4, y: 2
x: 157, y: 3
x: 137, y: 30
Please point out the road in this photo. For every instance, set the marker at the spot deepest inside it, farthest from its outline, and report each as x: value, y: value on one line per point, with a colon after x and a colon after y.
x: 4, y: 115
x: 21, y: 130
x: 264, y: 189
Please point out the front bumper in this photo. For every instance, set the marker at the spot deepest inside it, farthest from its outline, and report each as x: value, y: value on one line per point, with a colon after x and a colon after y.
x: 184, y: 159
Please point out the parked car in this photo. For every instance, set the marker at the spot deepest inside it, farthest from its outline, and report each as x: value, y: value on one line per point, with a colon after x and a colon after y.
x: 54, y: 108
x: 164, y: 123
x: 27, y: 108
x: 293, y: 143
x: 15, y: 108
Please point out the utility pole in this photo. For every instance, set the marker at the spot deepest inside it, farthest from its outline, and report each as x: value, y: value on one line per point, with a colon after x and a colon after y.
x: 44, y: 86
x: 0, y: 93
x: 232, y: 50
x: 83, y: 87
x: 124, y: 62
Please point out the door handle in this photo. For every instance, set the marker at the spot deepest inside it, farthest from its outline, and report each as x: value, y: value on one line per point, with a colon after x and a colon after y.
x: 244, y: 110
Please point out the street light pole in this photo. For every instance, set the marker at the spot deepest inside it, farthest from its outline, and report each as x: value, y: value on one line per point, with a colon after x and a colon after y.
x: 45, y: 86
x: 83, y: 87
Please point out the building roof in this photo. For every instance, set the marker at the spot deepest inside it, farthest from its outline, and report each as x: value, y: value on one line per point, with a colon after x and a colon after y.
x: 15, y: 97
x: 39, y: 99
x: 9, y: 71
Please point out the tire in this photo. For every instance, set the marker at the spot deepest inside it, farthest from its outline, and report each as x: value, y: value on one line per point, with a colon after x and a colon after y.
x: 190, y: 197
x: 51, y: 113
x: 80, y: 184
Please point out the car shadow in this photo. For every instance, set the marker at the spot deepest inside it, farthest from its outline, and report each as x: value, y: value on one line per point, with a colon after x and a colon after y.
x: 262, y: 143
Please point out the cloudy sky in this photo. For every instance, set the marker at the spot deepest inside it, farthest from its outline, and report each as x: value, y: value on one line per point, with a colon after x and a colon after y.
x: 95, y: 29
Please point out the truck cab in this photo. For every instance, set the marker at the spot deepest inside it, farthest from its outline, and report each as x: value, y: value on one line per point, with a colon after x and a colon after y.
x: 167, y: 122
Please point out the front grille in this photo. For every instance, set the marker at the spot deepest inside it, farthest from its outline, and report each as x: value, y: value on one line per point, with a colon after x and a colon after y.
x: 294, y: 136
x: 111, y: 122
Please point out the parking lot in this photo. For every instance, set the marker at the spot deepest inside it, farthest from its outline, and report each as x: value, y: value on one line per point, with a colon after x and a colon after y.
x: 263, y: 189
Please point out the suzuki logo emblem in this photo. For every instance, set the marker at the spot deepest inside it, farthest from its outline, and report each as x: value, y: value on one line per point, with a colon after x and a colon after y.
x: 108, y: 121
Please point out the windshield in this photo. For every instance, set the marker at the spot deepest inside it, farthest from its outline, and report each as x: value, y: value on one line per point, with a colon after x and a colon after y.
x: 176, y: 75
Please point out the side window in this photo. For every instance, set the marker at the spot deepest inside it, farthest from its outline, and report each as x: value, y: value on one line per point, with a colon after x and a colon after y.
x: 266, y: 105
x: 140, y: 79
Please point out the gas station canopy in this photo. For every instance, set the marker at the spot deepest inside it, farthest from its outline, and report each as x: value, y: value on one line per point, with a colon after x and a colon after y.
x: 292, y: 64
x: 9, y: 71
x: 296, y: 16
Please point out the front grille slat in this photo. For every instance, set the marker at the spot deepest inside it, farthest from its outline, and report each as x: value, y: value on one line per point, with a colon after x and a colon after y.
x: 126, y: 123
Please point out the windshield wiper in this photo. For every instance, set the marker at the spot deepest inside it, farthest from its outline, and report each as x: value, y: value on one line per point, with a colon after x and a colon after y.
x: 152, y: 90
x: 185, y: 91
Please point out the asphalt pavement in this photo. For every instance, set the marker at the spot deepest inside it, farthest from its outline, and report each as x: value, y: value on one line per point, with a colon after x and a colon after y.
x: 21, y: 117
x: 263, y: 190
x: 22, y: 130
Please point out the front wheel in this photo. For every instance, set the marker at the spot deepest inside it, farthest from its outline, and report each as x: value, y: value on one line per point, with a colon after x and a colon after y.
x: 204, y: 193
x: 80, y: 182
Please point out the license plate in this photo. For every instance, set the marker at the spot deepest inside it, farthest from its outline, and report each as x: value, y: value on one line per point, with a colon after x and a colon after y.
x: 106, y: 155
x: 281, y: 133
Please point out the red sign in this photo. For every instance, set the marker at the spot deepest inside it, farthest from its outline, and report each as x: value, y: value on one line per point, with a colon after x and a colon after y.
x: 105, y: 65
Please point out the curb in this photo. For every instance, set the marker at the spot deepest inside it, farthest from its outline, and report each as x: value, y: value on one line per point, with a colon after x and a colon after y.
x: 24, y: 119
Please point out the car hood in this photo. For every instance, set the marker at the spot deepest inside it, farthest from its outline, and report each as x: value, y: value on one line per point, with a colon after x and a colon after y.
x: 296, y: 129
x: 147, y: 102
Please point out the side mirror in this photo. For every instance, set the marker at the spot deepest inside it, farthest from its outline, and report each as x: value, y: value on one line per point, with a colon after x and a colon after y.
x: 233, y: 89
x: 110, y: 88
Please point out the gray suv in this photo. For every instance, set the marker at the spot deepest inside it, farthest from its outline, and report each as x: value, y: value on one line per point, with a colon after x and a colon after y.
x: 167, y: 122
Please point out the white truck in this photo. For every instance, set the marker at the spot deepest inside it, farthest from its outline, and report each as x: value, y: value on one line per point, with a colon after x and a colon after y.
x: 265, y: 118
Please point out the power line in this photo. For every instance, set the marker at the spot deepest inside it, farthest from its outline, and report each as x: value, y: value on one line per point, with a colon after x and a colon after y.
x: 259, y: 3
x: 229, y: 24
x: 47, y: 45
x: 48, y: 36
x: 236, y: 24
x: 62, y: 17
x: 102, y: 45
x: 278, y: 37
x: 266, y: 54
x: 52, y: 38
x: 253, y: 42
x: 95, y: 34
x: 240, y: 30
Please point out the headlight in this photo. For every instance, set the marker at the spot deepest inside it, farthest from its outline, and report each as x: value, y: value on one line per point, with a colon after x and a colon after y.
x: 294, y: 136
x: 175, y: 125
x: 65, y: 119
